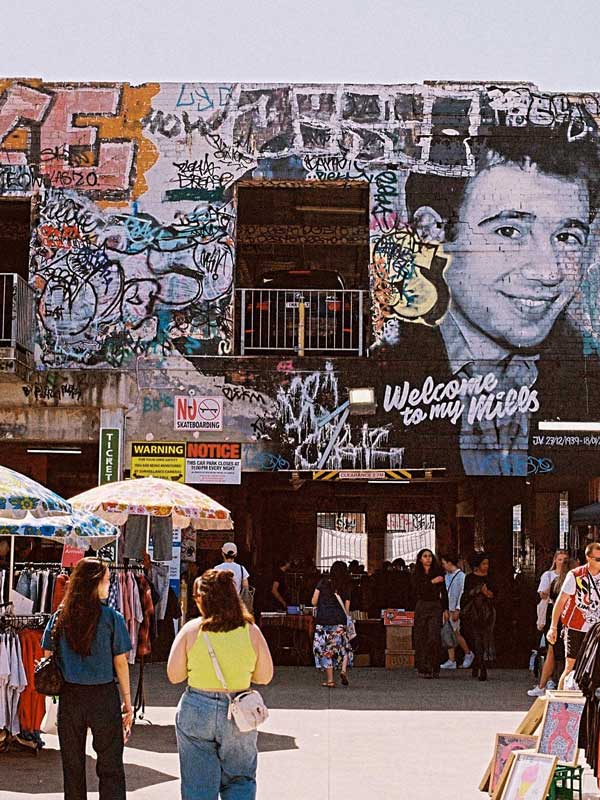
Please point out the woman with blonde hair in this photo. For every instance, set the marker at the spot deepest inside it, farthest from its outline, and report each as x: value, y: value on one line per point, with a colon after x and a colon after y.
x: 92, y: 643
x: 560, y: 556
x: 554, y: 652
x: 216, y: 759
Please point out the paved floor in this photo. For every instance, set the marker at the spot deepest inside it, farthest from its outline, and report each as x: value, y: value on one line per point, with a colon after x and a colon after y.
x: 389, y: 735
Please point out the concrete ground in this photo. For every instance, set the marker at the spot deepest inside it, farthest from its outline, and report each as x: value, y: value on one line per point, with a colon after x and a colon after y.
x: 389, y: 735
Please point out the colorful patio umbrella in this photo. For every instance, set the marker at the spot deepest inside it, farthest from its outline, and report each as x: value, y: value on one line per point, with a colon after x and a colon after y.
x: 79, y: 528
x: 156, y: 498
x: 20, y: 495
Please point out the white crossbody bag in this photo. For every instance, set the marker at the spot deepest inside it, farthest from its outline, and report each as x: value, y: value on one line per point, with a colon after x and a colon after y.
x: 247, y: 709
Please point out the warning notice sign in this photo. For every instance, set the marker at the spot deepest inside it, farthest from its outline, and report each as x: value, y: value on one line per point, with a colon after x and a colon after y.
x: 198, y: 413
x: 158, y: 460
x: 213, y: 462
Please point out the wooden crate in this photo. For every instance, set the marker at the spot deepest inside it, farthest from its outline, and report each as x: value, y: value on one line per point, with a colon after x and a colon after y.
x: 394, y: 660
x: 398, y: 639
x: 362, y: 660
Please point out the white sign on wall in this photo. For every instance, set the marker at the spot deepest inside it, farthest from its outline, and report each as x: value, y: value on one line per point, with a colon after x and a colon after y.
x: 198, y: 413
x: 213, y: 462
x: 213, y: 470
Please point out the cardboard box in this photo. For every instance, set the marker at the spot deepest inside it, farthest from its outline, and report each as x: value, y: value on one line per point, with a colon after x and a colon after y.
x: 396, y: 616
x: 399, y: 660
x: 398, y: 638
x: 362, y: 660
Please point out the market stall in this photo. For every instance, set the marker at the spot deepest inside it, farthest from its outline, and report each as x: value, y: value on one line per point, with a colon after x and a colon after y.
x: 151, y: 509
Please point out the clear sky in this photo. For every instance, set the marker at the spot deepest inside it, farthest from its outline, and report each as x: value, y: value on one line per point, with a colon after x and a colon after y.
x: 554, y: 43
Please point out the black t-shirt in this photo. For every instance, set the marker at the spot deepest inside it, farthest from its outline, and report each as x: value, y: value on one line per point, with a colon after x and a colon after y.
x: 329, y: 610
x: 279, y: 577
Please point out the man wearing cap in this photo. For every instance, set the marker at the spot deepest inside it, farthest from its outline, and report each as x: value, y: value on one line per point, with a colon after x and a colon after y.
x: 240, y: 573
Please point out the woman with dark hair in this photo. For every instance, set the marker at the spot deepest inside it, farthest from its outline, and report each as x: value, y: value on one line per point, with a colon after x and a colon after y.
x: 92, y: 643
x: 431, y: 602
x: 216, y: 759
x: 331, y: 646
x: 478, y: 614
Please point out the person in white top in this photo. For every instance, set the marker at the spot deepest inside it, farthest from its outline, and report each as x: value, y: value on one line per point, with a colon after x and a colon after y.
x: 240, y: 573
x: 455, y: 581
x: 551, y: 574
x: 544, y: 607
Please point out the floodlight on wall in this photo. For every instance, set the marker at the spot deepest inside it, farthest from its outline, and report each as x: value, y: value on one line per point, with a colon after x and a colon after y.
x: 558, y: 425
x: 362, y: 401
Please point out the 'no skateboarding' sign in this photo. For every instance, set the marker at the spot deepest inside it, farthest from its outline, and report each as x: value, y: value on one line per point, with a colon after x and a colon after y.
x: 198, y: 413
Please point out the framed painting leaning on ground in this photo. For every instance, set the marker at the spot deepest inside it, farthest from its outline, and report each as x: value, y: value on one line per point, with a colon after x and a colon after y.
x: 560, y: 729
x: 528, y: 777
x: 506, y: 744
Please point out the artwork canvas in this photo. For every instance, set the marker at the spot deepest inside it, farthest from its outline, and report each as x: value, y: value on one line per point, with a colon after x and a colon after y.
x: 506, y: 744
x: 560, y: 729
x: 529, y: 777
x: 527, y: 726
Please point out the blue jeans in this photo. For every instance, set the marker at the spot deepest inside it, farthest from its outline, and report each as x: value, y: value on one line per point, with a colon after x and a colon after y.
x: 215, y: 758
x: 24, y: 584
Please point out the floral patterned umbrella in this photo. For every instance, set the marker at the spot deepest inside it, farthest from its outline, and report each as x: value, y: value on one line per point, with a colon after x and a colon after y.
x: 79, y: 528
x: 20, y: 495
x: 157, y: 498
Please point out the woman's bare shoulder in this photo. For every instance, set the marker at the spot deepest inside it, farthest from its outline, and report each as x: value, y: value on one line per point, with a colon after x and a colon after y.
x: 192, y: 628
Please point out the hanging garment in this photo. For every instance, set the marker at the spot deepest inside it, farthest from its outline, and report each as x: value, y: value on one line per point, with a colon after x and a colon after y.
x: 16, y: 684
x: 113, y: 592
x: 160, y: 580
x: 4, y: 679
x: 32, y: 705
x: 60, y: 587
x: 161, y: 536
x: 144, y: 647
x: 138, y: 615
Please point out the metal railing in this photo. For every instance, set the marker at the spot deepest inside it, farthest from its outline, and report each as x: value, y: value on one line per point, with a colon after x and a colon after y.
x: 17, y: 312
x: 301, y: 321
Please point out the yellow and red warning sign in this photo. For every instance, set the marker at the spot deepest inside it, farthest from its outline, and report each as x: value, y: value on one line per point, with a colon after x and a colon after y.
x: 158, y: 460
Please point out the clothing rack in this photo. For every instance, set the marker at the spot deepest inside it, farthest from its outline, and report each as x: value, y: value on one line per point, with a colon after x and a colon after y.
x: 22, y: 621
x: 36, y: 564
x: 126, y: 567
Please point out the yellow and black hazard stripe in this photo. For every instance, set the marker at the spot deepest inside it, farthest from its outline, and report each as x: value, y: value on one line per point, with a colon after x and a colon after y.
x: 334, y: 474
x: 398, y: 474
x: 326, y: 475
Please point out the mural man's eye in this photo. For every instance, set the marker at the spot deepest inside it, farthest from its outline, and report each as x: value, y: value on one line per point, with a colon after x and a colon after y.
x: 509, y: 232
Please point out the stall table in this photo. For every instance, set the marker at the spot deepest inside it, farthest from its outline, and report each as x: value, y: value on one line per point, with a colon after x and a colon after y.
x: 290, y: 637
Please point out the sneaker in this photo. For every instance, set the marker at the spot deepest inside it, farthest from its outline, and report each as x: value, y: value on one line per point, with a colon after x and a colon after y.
x: 448, y: 665
x: 536, y: 692
x: 469, y: 658
x: 551, y: 685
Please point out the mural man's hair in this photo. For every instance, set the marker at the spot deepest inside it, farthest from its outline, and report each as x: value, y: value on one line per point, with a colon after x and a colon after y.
x: 552, y: 149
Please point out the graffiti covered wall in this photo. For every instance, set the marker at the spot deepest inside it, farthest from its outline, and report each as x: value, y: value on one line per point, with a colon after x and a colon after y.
x: 483, y: 269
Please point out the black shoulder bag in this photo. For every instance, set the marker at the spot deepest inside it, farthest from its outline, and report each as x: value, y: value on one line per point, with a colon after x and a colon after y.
x: 47, y: 677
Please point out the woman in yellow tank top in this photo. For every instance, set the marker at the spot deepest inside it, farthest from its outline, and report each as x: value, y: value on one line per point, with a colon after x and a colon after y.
x: 215, y: 758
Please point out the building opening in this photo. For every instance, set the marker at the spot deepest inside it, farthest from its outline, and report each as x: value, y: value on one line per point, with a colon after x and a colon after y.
x: 16, y: 297
x: 341, y: 536
x: 406, y: 534
x: 302, y: 266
